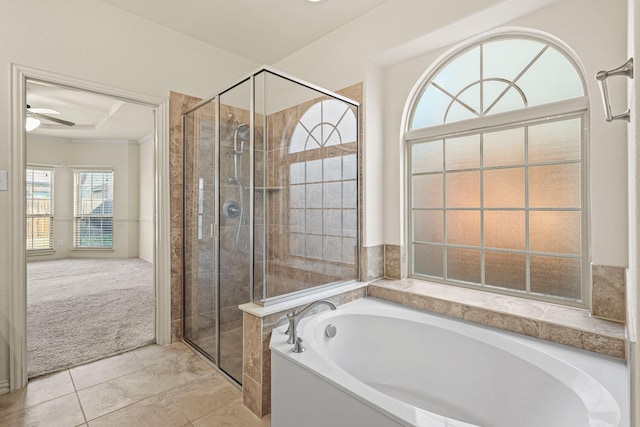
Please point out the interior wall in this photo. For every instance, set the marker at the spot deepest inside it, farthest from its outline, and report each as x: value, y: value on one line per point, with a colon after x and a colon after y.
x: 146, y: 200
x: 118, y: 50
x: 124, y: 157
x: 364, y: 48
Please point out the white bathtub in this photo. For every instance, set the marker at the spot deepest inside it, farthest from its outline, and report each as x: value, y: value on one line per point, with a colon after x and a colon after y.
x: 389, y: 365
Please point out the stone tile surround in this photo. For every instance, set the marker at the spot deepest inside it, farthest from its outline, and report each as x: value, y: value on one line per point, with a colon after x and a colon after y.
x: 256, y: 378
x: 608, y: 298
x: 563, y: 325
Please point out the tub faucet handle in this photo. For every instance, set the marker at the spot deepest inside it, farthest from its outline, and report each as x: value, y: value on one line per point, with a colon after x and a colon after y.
x: 298, y: 347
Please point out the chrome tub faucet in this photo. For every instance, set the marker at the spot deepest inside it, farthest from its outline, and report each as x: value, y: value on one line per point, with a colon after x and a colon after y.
x: 295, y: 317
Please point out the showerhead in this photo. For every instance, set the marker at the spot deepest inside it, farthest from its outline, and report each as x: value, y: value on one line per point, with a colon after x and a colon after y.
x: 241, y: 133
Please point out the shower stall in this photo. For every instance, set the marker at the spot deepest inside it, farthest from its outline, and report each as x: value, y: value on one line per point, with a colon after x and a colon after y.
x: 271, y: 205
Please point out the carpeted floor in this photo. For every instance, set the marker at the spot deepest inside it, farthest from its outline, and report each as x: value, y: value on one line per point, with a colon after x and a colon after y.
x: 80, y: 310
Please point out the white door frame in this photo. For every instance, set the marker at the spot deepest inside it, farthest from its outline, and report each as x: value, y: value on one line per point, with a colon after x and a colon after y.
x: 18, y: 280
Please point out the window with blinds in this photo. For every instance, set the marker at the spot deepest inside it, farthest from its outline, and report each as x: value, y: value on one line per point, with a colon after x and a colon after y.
x: 39, y: 209
x: 93, y: 209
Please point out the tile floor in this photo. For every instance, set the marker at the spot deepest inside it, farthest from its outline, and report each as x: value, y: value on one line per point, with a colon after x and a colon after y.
x: 151, y: 386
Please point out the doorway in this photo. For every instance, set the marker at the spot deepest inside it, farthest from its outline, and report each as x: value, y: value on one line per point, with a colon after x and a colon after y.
x: 160, y: 248
x: 89, y: 214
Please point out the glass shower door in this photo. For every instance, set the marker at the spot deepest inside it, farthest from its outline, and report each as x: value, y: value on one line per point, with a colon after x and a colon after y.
x: 235, y: 241
x: 200, y: 257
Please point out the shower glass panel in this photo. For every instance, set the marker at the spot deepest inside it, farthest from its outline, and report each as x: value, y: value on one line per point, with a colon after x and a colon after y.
x: 234, y: 221
x: 271, y: 204
x: 200, y: 259
x: 306, y: 170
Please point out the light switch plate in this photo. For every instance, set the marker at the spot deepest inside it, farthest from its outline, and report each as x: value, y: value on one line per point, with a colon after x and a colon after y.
x: 4, y: 177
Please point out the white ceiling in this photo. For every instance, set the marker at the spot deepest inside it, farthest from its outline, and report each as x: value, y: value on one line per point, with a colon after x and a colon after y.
x: 264, y: 31
x: 96, y: 116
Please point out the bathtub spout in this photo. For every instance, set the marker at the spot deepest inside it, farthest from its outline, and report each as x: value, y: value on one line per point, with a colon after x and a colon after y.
x: 294, y: 317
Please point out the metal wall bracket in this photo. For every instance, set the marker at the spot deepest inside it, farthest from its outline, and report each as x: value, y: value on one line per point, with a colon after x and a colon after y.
x: 625, y: 69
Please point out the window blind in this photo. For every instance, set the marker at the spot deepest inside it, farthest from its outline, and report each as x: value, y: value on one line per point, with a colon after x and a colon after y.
x: 93, y: 209
x: 39, y: 209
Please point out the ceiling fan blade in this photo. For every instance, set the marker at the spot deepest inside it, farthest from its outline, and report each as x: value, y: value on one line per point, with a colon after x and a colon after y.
x: 51, y: 119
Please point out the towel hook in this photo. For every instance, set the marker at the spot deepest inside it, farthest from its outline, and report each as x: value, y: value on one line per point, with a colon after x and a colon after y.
x: 625, y: 69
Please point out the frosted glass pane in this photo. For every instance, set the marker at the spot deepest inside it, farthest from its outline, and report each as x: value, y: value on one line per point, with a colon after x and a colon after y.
x: 458, y: 112
x: 348, y: 128
x: 504, y: 229
x: 555, y: 141
x: 554, y: 186
x: 463, y: 152
x: 430, y: 108
x: 313, y: 197
x: 471, y: 97
x: 314, y: 170
x: 461, y: 72
x: 507, y: 58
x: 333, y: 111
x: 427, y: 226
x: 505, y: 270
x: 556, y: 276
x: 330, y: 136
x: 503, y: 148
x: 426, y: 157
x: 463, y: 190
x: 349, y: 194
x: 428, y: 260
x: 427, y: 191
x: 555, y: 232
x: 463, y: 265
x: 504, y: 188
x: 512, y: 100
x: 491, y: 90
x: 463, y: 228
x: 551, y: 78
x: 332, y: 168
x: 349, y: 166
x: 312, y: 116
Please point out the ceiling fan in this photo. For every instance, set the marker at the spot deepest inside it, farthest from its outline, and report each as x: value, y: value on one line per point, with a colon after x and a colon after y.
x: 37, y: 113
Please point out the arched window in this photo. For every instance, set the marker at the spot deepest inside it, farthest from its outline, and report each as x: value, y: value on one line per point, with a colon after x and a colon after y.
x: 323, y: 196
x: 496, y: 142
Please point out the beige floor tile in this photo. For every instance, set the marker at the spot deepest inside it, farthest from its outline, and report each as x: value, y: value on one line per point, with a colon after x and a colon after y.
x: 155, y: 354
x: 232, y: 415
x: 155, y: 411
x: 104, y: 370
x: 37, y: 391
x: 118, y: 393
x: 201, y: 396
x: 64, y: 412
x: 182, y: 371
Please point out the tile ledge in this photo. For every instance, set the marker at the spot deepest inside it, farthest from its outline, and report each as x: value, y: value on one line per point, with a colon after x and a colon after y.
x: 568, y: 319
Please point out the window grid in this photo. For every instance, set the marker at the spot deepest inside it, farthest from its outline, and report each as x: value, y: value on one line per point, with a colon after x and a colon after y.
x: 93, y: 209
x: 39, y: 182
x: 527, y: 209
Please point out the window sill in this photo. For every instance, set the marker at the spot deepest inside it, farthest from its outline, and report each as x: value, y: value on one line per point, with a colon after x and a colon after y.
x: 92, y: 249
x: 563, y: 325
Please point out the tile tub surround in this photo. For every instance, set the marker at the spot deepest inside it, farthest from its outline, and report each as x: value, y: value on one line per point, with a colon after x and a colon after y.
x: 256, y: 378
x: 608, y: 299
x: 394, y: 260
x: 563, y: 325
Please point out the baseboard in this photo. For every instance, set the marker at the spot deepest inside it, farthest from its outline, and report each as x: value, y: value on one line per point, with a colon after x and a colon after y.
x: 4, y: 387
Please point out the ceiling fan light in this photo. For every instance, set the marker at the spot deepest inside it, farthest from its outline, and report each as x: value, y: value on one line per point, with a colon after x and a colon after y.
x: 31, y: 124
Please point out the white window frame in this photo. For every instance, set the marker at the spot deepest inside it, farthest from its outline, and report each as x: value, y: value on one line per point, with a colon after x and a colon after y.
x: 50, y: 214
x: 79, y: 216
x: 575, y: 107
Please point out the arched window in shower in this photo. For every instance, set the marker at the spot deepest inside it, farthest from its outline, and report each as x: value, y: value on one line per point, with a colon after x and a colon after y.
x: 323, y: 186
